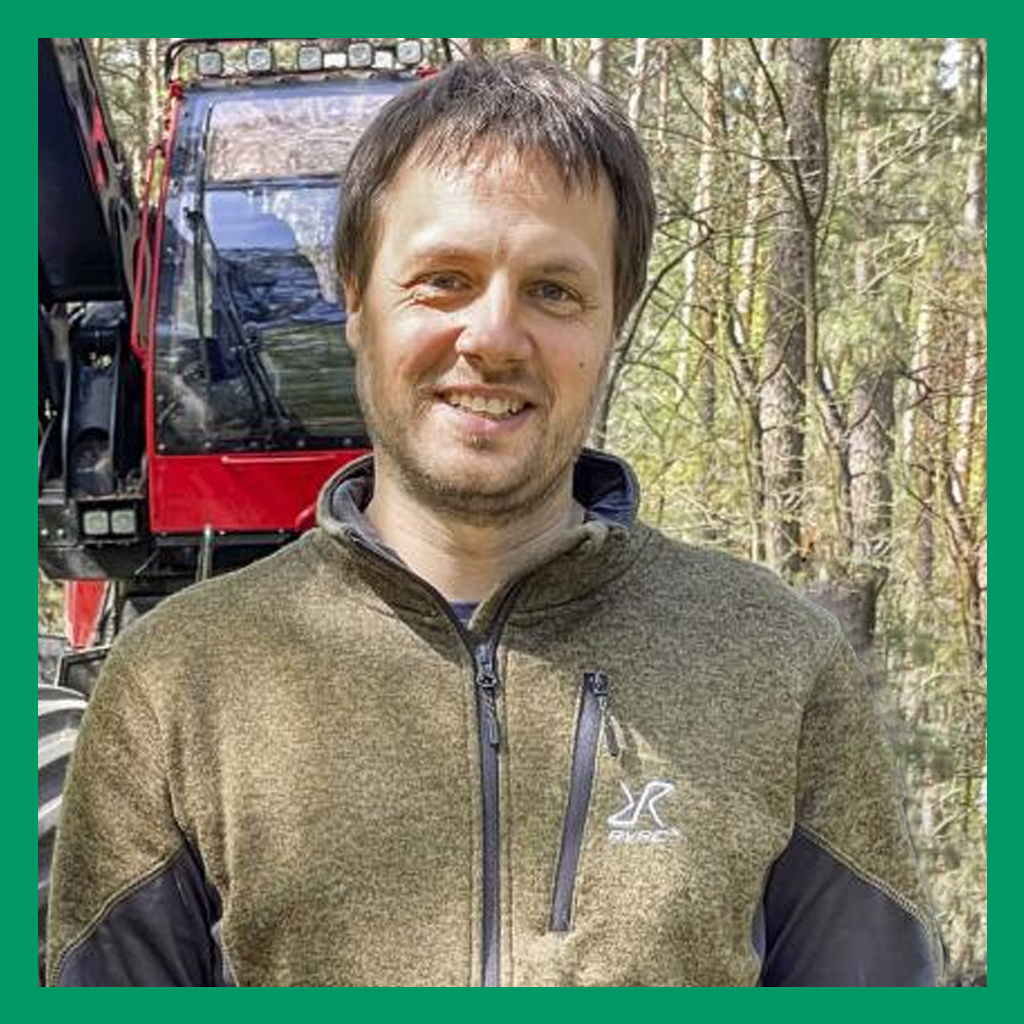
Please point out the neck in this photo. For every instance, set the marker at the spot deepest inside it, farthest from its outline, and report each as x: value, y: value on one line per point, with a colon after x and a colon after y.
x: 465, y: 561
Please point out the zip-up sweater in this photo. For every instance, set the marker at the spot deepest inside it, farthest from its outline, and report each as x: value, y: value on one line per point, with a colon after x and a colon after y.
x: 641, y: 763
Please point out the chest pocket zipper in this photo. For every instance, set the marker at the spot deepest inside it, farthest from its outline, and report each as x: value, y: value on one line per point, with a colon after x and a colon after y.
x: 593, y: 718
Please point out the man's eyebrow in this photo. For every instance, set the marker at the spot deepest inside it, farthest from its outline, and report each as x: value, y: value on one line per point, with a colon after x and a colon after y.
x: 563, y: 268
x: 436, y: 252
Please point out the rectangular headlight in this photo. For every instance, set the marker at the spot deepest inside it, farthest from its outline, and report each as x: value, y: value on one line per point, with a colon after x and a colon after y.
x: 311, y: 58
x: 210, y: 63
x: 360, y: 55
x: 96, y: 523
x: 122, y: 522
x: 259, y: 59
x: 409, y: 52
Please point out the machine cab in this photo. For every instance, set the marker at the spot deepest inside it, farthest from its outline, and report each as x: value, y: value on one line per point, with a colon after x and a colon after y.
x: 253, y: 397
x: 250, y: 346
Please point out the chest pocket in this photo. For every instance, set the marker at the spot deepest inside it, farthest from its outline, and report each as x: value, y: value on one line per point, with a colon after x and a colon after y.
x: 607, y: 807
x: 667, y: 835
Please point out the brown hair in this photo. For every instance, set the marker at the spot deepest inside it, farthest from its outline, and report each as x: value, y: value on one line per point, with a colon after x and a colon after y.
x: 522, y: 104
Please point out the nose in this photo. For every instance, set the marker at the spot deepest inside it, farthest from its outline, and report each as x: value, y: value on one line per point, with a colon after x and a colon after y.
x: 493, y: 331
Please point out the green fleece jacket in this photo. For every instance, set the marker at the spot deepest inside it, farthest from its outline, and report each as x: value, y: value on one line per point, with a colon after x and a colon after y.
x: 642, y: 763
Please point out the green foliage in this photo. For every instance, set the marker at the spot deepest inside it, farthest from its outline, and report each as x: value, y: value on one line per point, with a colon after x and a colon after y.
x: 900, y: 285
x: 50, y: 606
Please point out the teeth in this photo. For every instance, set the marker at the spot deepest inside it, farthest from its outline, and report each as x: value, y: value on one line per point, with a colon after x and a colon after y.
x: 497, y: 407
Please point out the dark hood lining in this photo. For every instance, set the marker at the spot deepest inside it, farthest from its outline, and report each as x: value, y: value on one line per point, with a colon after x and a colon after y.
x: 603, y: 484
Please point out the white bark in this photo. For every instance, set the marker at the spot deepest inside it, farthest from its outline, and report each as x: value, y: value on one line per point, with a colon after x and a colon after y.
x: 755, y: 201
x: 597, y: 62
x: 638, y: 84
x: 711, y: 79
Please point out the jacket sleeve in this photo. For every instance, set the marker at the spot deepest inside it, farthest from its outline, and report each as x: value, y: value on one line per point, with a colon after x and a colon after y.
x: 128, y: 900
x: 845, y: 905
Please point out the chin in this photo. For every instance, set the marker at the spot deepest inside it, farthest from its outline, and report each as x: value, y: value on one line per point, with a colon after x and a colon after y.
x: 467, y: 490
x: 481, y: 482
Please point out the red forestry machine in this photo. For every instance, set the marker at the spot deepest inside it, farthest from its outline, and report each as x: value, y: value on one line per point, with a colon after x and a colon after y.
x: 195, y: 388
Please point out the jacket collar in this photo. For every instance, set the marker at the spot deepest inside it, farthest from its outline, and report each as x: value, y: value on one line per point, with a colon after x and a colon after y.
x: 603, y: 484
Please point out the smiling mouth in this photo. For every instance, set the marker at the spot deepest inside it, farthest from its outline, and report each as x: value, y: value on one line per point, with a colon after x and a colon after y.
x: 495, y: 407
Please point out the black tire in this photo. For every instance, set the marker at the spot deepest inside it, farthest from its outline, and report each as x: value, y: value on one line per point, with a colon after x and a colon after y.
x: 60, y: 714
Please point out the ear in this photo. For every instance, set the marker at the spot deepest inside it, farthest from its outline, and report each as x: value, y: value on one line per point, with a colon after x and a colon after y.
x: 354, y: 314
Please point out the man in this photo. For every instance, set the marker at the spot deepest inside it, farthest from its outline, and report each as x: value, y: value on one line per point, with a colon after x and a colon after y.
x: 482, y: 727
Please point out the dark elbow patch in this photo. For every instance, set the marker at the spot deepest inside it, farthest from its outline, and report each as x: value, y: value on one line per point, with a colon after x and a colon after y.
x: 158, y: 933
x: 822, y: 925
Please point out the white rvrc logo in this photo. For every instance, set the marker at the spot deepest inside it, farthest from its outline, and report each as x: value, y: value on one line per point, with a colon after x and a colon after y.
x: 626, y: 824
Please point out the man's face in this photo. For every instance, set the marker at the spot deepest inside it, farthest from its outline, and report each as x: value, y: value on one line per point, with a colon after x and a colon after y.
x: 484, y: 332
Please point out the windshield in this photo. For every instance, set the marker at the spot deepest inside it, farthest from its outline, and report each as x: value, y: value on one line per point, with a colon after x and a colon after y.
x: 254, y: 355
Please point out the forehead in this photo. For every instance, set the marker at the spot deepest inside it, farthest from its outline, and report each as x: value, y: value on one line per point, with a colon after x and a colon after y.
x: 498, y: 196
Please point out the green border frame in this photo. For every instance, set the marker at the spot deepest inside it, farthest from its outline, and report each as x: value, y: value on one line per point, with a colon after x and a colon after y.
x: 20, y: 76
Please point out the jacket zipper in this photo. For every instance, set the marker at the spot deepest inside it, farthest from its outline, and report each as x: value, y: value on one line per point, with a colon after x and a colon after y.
x: 486, y: 682
x: 592, y: 717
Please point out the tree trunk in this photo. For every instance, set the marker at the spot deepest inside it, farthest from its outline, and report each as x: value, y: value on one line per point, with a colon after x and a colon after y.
x: 705, y: 298
x: 597, y: 70
x: 862, y: 434
x: 156, y: 92
x: 791, y: 334
x: 754, y: 203
x: 143, y: 105
x: 697, y: 258
x: 597, y: 62
x: 526, y: 45
x: 467, y: 49
x: 664, y: 81
x: 638, y: 84
x: 967, y: 492
x: 919, y: 437
x: 743, y: 314
x: 873, y: 420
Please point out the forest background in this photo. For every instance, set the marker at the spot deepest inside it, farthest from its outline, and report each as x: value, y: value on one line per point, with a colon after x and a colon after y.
x: 804, y: 380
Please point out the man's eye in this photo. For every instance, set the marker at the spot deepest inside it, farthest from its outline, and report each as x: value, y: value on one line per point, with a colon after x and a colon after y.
x: 554, y: 293
x: 442, y: 282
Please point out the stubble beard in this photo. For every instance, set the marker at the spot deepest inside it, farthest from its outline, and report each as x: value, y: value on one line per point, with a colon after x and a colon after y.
x: 477, y: 502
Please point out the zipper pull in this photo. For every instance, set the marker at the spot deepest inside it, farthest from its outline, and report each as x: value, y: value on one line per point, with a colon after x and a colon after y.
x: 488, y: 683
x: 599, y: 687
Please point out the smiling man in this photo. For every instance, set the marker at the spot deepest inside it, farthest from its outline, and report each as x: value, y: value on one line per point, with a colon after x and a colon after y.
x: 482, y: 726
x: 482, y: 335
